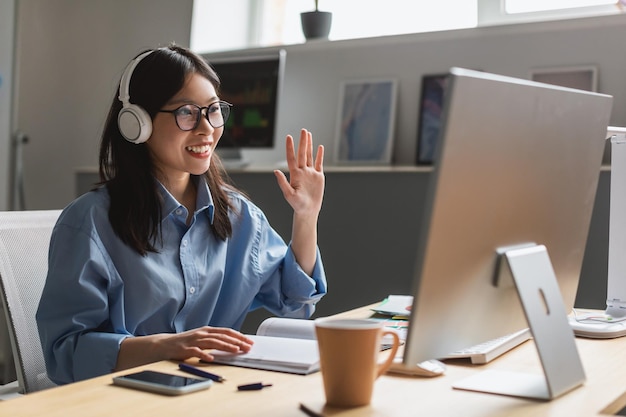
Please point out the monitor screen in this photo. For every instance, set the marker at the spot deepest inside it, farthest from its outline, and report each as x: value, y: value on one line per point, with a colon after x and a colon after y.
x: 517, y: 161
x: 252, y: 85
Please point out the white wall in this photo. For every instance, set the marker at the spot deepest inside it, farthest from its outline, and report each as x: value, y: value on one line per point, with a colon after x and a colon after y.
x: 71, y: 54
x: 7, y: 12
x: 315, y: 71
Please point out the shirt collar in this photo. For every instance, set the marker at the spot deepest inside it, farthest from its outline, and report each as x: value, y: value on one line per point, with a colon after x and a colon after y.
x: 204, y: 199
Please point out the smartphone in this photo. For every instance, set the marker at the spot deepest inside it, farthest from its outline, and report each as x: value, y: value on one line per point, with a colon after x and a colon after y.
x: 162, y: 383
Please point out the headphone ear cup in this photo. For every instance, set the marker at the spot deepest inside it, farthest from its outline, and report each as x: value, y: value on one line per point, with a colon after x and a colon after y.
x: 134, y: 123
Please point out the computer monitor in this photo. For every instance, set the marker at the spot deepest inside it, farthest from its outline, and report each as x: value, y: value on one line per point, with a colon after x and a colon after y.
x: 252, y: 84
x: 517, y: 163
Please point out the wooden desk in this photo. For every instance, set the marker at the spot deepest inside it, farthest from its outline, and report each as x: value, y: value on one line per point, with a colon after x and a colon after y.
x: 396, y: 396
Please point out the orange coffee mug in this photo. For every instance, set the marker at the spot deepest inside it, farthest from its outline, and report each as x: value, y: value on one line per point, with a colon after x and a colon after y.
x: 349, y: 358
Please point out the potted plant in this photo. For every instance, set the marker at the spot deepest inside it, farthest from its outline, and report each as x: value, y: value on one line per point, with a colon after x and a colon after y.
x: 316, y: 24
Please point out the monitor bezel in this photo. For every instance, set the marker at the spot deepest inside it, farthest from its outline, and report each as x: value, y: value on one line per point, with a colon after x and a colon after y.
x: 279, y: 57
x: 436, y: 329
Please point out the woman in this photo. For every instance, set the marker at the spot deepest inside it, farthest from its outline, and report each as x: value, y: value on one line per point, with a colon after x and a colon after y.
x: 164, y: 259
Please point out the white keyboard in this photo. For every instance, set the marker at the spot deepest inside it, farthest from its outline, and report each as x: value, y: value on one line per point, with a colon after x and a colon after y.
x: 487, y: 351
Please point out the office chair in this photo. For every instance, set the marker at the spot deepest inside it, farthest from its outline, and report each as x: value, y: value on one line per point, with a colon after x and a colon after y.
x: 24, y: 243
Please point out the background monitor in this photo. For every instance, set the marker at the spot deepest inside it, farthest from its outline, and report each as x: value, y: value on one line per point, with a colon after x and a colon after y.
x: 430, y: 112
x: 252, y: 85
x: 517, y: 161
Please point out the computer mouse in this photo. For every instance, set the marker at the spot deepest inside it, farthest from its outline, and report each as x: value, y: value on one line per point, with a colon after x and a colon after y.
x: 433, y: 366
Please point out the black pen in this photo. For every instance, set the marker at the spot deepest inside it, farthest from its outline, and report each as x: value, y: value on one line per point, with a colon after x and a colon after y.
x: 253, y: 387
x: 199, y: 372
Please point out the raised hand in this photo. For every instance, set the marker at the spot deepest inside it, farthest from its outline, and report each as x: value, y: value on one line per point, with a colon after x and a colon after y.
x: 304, y: 191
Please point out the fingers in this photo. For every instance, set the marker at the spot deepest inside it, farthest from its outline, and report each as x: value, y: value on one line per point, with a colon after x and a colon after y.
x: 197, y: 342
x: 228, y: 332
x: 283, y: 182
x: 302, y: 149
x: 290, y: 151
x: 305, y: 153
x: 319, y: 158
x: 227, y: 344
x: 227, y: 339
x: 203, y: 355
x: 309, y: 148
x: 304, y: 156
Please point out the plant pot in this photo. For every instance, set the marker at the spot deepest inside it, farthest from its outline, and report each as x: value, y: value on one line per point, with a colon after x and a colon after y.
x: 316, y: 24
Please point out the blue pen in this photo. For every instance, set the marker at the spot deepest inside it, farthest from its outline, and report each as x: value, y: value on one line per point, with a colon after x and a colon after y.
x: 199, y: 372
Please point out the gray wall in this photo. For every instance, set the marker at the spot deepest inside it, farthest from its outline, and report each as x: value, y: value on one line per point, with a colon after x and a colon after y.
x: 7, y: 26
x: 315, y: 71
x: 71, y: 54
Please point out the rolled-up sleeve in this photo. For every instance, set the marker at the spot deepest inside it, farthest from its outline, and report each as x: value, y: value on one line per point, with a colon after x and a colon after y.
x: 305, y: 290
x: 286, y: 290
x: 74, y: 312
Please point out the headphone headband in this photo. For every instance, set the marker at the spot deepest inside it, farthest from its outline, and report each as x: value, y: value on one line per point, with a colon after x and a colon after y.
x: 124, y: 90
x: 133, y: 121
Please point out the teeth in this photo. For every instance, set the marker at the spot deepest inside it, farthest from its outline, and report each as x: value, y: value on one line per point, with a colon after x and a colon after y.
x: 198, y: 149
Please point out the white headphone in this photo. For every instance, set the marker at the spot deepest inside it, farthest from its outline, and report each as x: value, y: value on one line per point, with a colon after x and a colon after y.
x: 133, y: 121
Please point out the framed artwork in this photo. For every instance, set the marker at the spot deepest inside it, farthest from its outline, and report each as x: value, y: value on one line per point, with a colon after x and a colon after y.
x: 430, y: 113
x: 366, y: 121
x: 581, y: 78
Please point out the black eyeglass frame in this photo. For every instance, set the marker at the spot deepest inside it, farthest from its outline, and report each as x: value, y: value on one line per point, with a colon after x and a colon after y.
x: 223, y: 105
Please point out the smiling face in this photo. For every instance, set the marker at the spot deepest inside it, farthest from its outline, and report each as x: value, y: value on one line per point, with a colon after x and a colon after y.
x: 176, y: 153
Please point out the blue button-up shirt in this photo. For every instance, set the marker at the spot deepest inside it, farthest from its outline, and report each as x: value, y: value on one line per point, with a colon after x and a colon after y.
x: 100, y: 291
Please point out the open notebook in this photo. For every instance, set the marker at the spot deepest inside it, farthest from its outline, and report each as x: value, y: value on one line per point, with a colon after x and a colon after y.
x: 280, y: 344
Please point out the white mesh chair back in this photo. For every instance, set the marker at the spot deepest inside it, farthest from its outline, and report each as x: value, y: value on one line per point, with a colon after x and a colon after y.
x: 24, y: 244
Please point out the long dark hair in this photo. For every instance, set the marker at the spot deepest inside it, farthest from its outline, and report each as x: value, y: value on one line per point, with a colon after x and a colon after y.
x: 127, y: 169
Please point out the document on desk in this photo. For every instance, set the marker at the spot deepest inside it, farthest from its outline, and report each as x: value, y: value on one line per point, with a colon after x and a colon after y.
x: 395, y: 305
x: 297, y: 356
x: 285, y: 345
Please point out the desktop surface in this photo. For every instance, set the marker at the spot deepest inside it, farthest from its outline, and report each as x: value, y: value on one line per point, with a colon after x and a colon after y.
x: 394, y: 395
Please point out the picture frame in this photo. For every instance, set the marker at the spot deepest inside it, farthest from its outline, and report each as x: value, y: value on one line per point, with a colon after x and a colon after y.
x: 432, y: 94
x: 366, y: 122
x: 584, y: 77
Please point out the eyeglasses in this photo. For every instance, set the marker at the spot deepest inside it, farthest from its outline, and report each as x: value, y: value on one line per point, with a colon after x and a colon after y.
x: 188, y: 115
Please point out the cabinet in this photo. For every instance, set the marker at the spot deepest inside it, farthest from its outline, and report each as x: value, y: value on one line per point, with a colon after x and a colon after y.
x: 368, y: 232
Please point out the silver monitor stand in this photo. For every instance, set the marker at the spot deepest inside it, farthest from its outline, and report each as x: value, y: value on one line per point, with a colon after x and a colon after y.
x: 529, y: 268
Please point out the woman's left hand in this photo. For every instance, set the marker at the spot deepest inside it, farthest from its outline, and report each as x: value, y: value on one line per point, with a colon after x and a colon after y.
x: 304, y: 191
